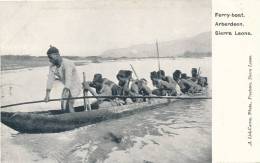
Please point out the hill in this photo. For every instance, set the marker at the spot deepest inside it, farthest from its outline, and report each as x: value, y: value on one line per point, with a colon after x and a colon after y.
x: 197, y: 46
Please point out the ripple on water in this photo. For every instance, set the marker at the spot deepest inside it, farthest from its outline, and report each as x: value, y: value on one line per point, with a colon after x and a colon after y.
x: 178, y: 130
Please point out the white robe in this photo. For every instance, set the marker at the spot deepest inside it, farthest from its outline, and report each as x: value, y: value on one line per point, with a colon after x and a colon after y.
x: 67, y: 74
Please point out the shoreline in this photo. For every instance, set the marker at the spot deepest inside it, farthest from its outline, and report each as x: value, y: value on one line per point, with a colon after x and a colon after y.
x: 36, y: 64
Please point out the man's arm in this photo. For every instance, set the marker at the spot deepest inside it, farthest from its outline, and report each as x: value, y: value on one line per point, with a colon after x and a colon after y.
x: 87, y: 86
x: 47, y: 95
x: 147, y: 89
x: 134, y: 90
x: 50, y: 80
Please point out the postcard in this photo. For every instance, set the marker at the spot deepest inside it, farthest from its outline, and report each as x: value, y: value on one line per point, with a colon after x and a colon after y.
x: 130, y: 81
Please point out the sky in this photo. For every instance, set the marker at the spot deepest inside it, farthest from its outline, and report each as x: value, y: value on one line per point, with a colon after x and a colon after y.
x: 86, y: 28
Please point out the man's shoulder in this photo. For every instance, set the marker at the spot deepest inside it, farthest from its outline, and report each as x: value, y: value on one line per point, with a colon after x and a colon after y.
x: 52, y: 66
x: 106, y: 80
x: 163, y: 82
x: 68, y: 62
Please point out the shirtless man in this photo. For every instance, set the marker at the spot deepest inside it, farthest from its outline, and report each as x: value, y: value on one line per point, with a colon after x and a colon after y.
x: 100, y: 86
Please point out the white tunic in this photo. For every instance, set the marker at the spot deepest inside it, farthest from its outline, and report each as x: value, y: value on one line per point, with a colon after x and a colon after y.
x: 67, y: 74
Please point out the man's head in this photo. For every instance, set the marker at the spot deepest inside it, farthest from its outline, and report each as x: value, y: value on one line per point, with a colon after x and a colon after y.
x: 54, y: 56
x: 184, y: 76
x: 124, y: 75
x: 161, y: 74
x: 176, y: 75
x: 143, y: 81
x: 97, y: 78
x: 194, y: 72
x: 153, y: 75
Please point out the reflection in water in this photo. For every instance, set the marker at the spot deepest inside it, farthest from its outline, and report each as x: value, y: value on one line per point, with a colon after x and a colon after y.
x: 182, y: 129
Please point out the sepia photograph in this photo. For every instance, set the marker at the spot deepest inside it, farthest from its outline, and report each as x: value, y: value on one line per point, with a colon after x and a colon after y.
x: 106, y: 81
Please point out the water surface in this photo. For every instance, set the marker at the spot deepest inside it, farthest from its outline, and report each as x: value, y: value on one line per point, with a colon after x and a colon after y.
x: 179, y: 132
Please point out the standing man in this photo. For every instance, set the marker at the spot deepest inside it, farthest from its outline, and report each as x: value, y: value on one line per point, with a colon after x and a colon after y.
x: 65, y: 71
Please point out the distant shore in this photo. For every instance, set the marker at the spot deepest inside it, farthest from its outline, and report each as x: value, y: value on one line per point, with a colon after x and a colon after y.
x: 14, y: 62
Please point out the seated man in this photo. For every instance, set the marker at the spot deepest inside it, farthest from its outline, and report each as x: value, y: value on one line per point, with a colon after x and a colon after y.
x: 170, y: 80
x: 163, y: 84
x: 176, y: 75
x: 103, y: 87
x: 124, y: 78
x: 194, y: 74
x: 161, y: 75
x: 184, y: 76
x: 202, y: 81
x: 153, y: 76
x: 186, y: 85
x: 139, y: 88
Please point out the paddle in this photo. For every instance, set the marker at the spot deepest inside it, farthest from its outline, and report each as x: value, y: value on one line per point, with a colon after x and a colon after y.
x: 134, y: 72
x: 87, y: 105
x: 158, y: 56
x: 199, y: 72
x: 74, y: 98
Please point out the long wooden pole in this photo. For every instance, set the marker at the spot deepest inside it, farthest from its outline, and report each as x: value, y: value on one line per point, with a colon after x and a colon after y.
x: 75, y: 98
x: 199, y: 72
x: 87, y: 105
x: 84, y: 92
x: 158, y: 56
x: 134, y: 71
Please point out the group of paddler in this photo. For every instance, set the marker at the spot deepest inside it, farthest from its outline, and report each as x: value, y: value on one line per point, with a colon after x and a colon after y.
x: 64, y: 70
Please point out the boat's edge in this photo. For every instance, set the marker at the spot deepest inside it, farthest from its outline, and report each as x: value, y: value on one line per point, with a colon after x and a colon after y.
x: 36, y: 123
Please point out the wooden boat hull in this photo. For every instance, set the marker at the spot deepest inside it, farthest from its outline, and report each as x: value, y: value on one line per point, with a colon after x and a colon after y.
x: 55, y: 121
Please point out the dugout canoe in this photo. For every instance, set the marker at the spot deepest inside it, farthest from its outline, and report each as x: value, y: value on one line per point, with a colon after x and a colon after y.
x: 54, y: 121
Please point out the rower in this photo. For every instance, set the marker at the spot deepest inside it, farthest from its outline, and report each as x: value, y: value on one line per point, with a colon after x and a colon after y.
x: 165, y: 85
x: 194, y: 74
x: 139, y: 88
x: 202, y: 81
x: 161, y: 75
x: 168, y: 79
x: 124, y: 77
x: 177, y: 77
x: 184, y: 76
x: 153, y: 77
x: 103, y: 87
x: 186, y: 85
